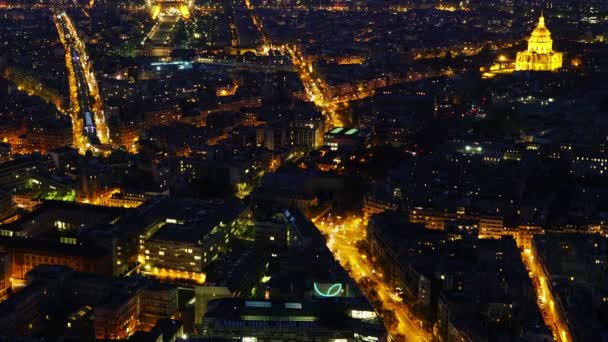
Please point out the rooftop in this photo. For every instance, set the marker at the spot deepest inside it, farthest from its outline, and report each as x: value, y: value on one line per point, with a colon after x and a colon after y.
x: 190, y: 220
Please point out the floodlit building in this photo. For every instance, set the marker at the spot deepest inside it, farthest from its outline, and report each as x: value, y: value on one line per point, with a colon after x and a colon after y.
x: 540, y: 55
x: 184, y: 236
x: 169, y: 8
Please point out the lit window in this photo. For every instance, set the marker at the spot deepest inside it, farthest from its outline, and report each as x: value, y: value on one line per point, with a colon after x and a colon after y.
x: 257, y: 304
x: 161, y: 253
x: 293, y: 305
x: 363, y: 314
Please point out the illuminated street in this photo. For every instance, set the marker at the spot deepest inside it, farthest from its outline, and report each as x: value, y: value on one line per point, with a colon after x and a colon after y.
x: 316, y: 89
x: 88, y: 119
x: 552, y: 316
x: 162, y: 31
x: 343, y: 234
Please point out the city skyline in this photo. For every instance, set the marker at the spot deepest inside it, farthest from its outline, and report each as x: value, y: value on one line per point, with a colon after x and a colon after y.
x: 298, y: 170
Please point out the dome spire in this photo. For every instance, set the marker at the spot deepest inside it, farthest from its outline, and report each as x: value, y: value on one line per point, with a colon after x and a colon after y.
x: 541, y: 20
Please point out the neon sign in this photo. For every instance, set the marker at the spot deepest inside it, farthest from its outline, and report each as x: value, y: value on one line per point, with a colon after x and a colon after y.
x: 327, y: 290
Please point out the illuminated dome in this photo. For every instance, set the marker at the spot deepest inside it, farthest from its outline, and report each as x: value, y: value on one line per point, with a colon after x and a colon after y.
x: 540, y: 55
x: 540, y: 40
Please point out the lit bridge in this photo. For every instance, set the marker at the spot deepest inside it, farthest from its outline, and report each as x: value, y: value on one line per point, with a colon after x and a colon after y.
x: 88, y: 120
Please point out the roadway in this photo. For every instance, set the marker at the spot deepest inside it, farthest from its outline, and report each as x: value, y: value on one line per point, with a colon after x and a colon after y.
x: 343, y: 235
x: 162, y: 32
x: 316, y: 89
x: 547, y: 303
x: 83, y: 96
x: 87, y: 115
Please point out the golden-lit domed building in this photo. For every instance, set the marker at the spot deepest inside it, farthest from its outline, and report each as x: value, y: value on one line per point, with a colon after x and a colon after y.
x: 540, y: 55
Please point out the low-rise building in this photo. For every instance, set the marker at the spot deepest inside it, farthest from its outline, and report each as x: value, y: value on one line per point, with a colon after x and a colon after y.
x: 184, y: 236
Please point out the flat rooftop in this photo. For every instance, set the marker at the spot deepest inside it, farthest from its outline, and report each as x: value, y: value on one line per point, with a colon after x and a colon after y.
x: 190, y: 220
x: 343, y: 131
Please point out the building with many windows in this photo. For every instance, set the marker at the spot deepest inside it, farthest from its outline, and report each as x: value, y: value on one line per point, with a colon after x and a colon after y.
x: 181, y: 242
x: 262, y: 320
x: 308, y: 133
x: 86, y: 306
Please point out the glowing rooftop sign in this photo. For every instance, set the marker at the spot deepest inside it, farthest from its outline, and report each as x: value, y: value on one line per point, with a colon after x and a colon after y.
x: 336, y: 130
x: 327, y: 290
